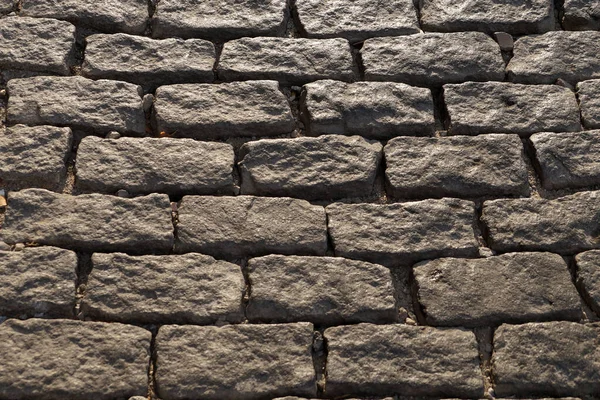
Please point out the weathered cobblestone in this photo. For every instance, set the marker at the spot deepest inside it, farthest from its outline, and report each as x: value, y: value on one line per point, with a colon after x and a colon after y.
x: 581, y: 15
x: 377, y: 110
x: 458, y: 166
x: 589, y: 99
x: 588, y: 276
x: 7, y: 5
x: 235, y: 361
x: 52, y: 359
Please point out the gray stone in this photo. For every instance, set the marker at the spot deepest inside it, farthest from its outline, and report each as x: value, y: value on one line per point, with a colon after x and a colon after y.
x: 101, y: 106
x: 7, y: 5
x: 292, y: 61
x: 64, y: 359
x: 547, y: 359
x: 205, y: 111
x: 456, y: 166
x: 376, y: 360
x: 235, y: 227
x: 501, y: 107
x: 34, y: 156
x: 235, y: 361
x: 588, y: 277
x: 403, y: 233
x: 147, y: 165
x: 38, y: 281
x: 173, y: 289
x: 378, y: 110
x: 505, y: 41
x: 91, y: 222
x: 589, y: 101
x: 326, y: 167
x: 514, y: 288
x: 583, y: 15
x: 148, y: 62
x: 33, y: 44
x: 433, y: 59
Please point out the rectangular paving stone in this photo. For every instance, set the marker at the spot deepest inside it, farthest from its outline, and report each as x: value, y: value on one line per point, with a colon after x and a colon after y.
x: 235, y: 361
x: 547, y: 359
x: 403, y: 233
x: 172, y: 289
x: 34, y: 156
x: 582, y: 15
x: 90, y: 222
x: 101, y: 106
x: 588, y: 93
x: 501, y: 107
x: 326, y: 167
x: 513, y: 287
x: 241, y: 226
x: 588, y: 277
x: 292, y: 61
x: 205, y: 111
x: 148, y: 165
x: 456, y: 166
x: 52, y: 359
x: 432, y: 59
x: 375, y: 360
x: 377, y: 110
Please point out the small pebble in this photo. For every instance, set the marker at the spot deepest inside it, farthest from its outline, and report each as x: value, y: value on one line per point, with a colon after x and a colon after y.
x: 147, y: 102
x: 410, y: 321
x: 123, y: 193
x: 113, y: 135
x: 174, y: 206
x: 3, y: 202
x: 505, y: 41
x: 19, y: 247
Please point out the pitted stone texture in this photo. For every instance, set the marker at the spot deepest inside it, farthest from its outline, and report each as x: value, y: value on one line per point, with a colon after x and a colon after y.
x: 74, y: 101
x: 38, y: 281
x: 288, y: 60
x: 378, y: 110
x: 148, y: 62
x: 235, y: 227
x: 547, y: 359
x: 129, y: 16
x: 514, y: 287
x: 7, y: 5
x: 588, y: 277
x: 235, y: 361
x: 518, y: 17
x: 219, y: 20
x: 65, y: 359
x: 432, y: 59
x: 36, y: 44
x: 204, y: 111
x: 402, y: 233
x: 327, y: 167
x: 501, y: 107
x: 173, y: 289
x: 91, y: 222
x: 456, y: 166
x: 34, y: 156
x: 583, y: 15
x: 565, y: 225
x: 148, y: 165
x: 367, y: 359
x: 589, y: 100
x: 322, y: 290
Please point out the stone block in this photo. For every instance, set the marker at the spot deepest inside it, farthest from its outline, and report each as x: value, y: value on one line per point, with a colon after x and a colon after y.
x: 589, y: 101
x: 588, y: 277
x: 581, y: 15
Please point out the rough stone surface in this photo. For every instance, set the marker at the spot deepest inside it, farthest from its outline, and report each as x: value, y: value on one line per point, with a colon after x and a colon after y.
x: 64, y: 359
x: 547, y: 359
x: 204, y: 111
x: 235, y: 227
x: 588, y: 277
x: 517, y: 108
x: 287, y: 60
x: 581, y: 15
x: 378, y: 110
x: 589, y: 100
x: 74, y: 101
x: 7, y: 5
x: 402, y: 233
x: 182, y: 289
x: 433, y: 59
x: 91, y: 222
x: 370, y: 359
x: 147, y: 165
x: 327, y: 167
x: 235, y: 361
x: 457, y: 166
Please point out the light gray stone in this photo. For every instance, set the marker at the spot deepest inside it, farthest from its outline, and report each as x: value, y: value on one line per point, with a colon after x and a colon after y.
x: 7, y: 5
x: 101, y: 106
x: 588, y: 277
x: 378, y: 110
x: 292, y: 61
x: 205, y: 111
x: 456, y: 166
x: 65, y: 359
x: 501, y: 107
x: 91, y: 222
x: 235, y: 361
x: 583, y: 15
x: 433, y: 59
x: 368, y: 359
x: 589, y: 101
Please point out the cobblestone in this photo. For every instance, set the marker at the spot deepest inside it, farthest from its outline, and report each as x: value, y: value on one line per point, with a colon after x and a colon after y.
x: 589, y: 101
x: 588, y: 277
x: 7, y: 5
x: 583, y: 15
